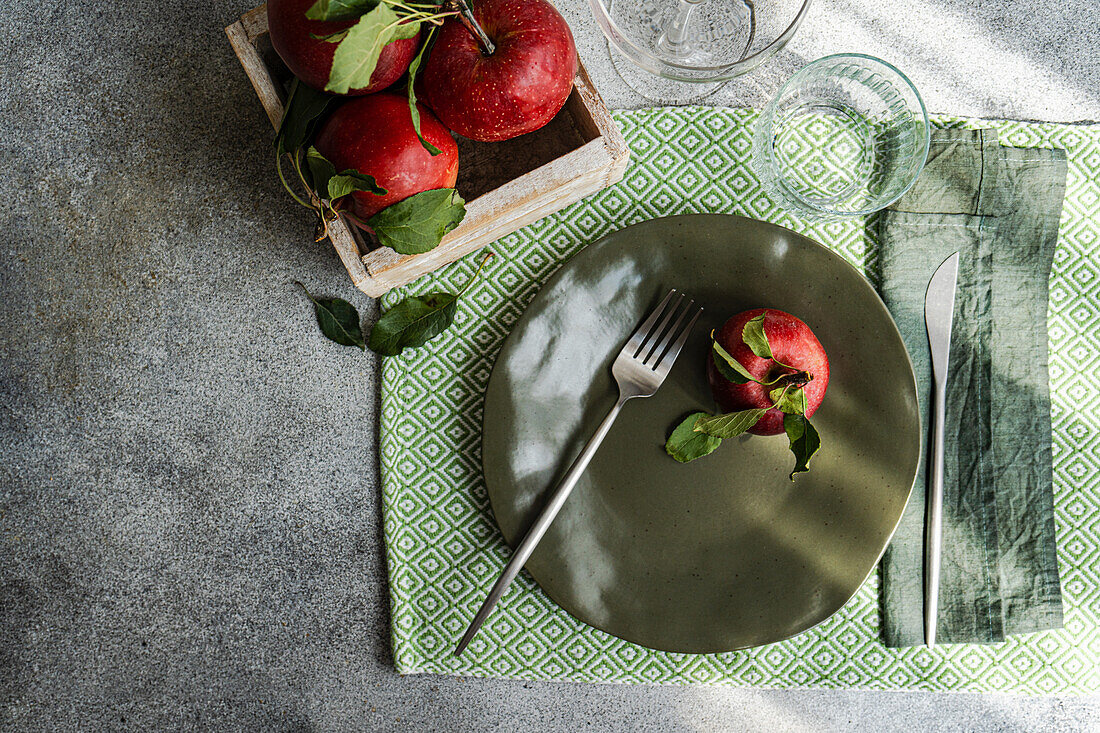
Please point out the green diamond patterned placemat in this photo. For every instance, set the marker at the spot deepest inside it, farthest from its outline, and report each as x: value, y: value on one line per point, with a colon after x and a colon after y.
x: 444, y: 549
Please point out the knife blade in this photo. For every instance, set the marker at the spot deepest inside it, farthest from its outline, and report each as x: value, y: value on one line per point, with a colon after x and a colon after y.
x: 939, y: 312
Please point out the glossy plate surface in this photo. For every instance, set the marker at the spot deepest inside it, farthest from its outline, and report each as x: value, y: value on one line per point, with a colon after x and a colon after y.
x: 724, y: 552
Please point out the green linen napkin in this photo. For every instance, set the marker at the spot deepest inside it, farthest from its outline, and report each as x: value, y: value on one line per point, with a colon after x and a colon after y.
x: 443, y: 547
x: 999, y: 208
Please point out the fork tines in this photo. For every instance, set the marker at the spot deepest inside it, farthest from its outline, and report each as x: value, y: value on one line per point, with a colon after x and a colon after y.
x: 657, y: 342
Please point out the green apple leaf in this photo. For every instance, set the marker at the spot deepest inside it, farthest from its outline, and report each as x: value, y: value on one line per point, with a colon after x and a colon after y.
x: 346, y: 182
x: 339, y: 9
x: 686, y: 445
x: 790, y: 400
x: 357, y: 54
x: 804, y: 440
x: 328, y: 184
x: 733, y: 370
x: 338, y: 319
x: 755, y: 338
x: 418, y: 223
x: 417, y: 319
x: 414, y: 67
x: 330, y: 37
x: 321, y: 171
x: 304, y: 108
x: 413, y: 322
x: 729, y: 425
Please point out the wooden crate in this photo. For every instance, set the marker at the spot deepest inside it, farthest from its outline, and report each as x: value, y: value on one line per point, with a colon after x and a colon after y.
x: 506, y: 185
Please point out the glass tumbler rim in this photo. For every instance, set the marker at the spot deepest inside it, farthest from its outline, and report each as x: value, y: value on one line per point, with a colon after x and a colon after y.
x: 723, y: 72
x: 768, y: 115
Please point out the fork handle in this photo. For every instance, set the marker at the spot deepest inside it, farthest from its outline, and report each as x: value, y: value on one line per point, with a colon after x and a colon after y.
x: 538, y: 529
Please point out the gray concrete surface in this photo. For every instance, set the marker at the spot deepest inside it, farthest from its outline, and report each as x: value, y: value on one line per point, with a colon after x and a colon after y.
x: 189, y: 519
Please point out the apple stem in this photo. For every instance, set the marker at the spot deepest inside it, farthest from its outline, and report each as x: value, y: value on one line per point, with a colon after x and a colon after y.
x: 466, y: 17
x: 357, y: 221
x: 286, y: 185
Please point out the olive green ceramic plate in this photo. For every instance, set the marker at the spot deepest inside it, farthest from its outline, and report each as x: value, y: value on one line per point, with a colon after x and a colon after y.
x: 724, y: 552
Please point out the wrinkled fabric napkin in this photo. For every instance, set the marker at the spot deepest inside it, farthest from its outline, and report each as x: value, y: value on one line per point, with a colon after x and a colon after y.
x: 999, y: 207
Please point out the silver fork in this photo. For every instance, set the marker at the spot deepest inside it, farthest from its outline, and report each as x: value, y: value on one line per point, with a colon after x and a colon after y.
x: 639, y: 370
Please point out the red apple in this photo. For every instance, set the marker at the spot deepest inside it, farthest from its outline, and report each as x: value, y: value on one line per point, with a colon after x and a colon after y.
x: 310, y: 59
x: 374, y: 135
x: 517, y: 89
x: 792, y: 343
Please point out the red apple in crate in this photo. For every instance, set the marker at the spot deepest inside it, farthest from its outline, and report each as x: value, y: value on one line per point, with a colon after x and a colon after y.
x: 515, y: 90
x: 792, y: 343
x: 374, y: 135
x: 310, y: 59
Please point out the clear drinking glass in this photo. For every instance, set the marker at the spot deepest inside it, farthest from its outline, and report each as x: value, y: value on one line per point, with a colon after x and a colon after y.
x: 675, y: 51
x: 845, y: 136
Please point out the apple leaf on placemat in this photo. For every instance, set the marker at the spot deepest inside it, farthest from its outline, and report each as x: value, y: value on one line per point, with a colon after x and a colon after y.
x: 338, y: 319
x: 339, y: 9
x: 357, y: 54
x: 804, y: 441
x: 413, y: 109
x: 413, y: 322
x: 418, y: 223
x: 417, y: 319
x: 685, y: 444
x: 731, y: 424
x: 304, y: 107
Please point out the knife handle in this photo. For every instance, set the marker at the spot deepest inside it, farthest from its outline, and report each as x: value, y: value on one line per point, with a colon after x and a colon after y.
x: 934, y: 521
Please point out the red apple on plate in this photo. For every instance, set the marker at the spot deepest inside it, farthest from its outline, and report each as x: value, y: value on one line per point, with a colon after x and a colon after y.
x: 310, y: 58
x: 374, y: 135
x: 792, y: 343
x: 515, y: 90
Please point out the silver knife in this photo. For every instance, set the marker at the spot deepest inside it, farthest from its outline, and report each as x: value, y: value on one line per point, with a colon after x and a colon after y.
x: 939, y: 310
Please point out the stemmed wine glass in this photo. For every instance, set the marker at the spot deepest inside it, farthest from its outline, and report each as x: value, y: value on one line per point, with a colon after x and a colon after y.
x: 676, y: 51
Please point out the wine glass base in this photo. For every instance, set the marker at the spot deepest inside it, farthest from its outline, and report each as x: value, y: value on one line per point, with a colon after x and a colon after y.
x: 657, y: 88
